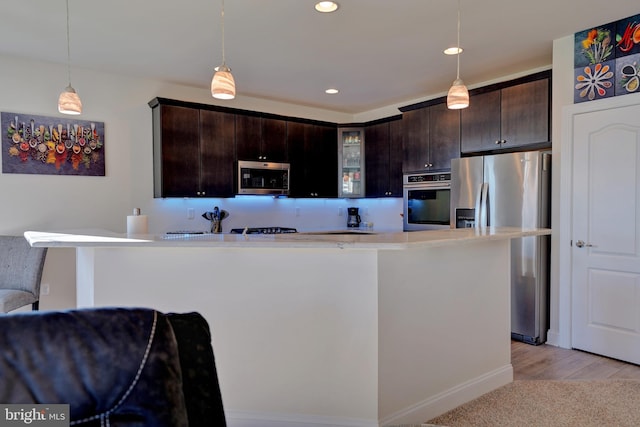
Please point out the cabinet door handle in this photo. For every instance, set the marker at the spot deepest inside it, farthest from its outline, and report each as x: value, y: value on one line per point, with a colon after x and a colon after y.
x: 498, y: 142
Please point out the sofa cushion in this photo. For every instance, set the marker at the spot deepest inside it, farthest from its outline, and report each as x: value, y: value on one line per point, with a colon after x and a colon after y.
x: 199, y: 375
x: 111, y: 364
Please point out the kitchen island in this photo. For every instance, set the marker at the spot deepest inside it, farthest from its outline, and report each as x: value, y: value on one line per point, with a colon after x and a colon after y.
x: 316, y: 330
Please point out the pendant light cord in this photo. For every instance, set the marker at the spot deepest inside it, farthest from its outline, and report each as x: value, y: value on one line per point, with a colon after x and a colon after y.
x: 222, y: 16
x: 459, y: 48
x: 68, y: 47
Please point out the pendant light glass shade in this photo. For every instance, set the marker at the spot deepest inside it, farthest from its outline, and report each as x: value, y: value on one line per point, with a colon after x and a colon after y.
x: 458, y: 96
x: 69, y: 102
x: 223, y: 86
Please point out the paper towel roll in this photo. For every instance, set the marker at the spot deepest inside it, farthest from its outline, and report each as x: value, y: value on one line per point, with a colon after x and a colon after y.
x: 137, y: 224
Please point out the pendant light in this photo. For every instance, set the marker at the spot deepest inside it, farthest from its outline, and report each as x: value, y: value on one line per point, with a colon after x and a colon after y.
x: 458, y: 96
x: 69, y: 101
x: 222, y: 85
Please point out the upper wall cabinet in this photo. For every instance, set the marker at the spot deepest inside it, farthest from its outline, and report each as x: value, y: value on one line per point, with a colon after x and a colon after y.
x: 171, y: 159
x: 511, y: 117
x: 431, y: 137
x: 351, y: 162
x: 196, y: 148
x: 383, y: 161
x: 261, y: 138
x: 314, y: 159
x: 216, y: 153
x: 192, y: 151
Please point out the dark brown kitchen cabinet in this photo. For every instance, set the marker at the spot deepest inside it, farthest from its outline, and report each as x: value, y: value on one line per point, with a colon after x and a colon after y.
x: 383, y: 160
x: 511, y: 117
x: 396, y: 129
x: 431, y: 137
x: 444, y: 136
x: 274, y: 137
x: 193, y: 152
x: 314, y: 159
x: 261, y: 138
x: 217, y: 139
x: 415, y: 125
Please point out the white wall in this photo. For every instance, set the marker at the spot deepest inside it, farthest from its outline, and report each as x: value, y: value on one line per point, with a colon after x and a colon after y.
x: 562, y: 95
x: 49, y: 202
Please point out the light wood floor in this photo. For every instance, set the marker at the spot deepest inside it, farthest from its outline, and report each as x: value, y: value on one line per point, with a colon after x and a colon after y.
x: 546, y: 362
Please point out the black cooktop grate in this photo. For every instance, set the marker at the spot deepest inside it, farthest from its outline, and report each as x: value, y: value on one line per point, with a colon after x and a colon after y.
x: 264, y: 230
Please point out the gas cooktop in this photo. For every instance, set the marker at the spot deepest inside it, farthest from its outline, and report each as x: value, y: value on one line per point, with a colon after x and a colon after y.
x: 263, y: 230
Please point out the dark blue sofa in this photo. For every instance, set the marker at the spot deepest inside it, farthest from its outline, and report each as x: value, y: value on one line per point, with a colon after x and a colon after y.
x: 113, y: 366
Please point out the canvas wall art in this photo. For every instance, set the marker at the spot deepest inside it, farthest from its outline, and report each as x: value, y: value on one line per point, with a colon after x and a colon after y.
x: 52, y: 145
x: 606, y: 60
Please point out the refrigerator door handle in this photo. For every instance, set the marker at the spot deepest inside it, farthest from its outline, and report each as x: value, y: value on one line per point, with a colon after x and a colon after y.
x: 477, y: 214
x: 484, y: 221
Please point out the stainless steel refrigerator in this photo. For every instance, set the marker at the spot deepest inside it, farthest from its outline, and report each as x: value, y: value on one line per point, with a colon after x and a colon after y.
x: 511, y: 190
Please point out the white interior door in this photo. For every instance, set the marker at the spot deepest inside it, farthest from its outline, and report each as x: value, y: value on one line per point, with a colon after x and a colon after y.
x: 606, y: 233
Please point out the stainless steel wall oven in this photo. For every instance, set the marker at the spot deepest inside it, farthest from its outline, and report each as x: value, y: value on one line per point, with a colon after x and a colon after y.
x: 427, y: 198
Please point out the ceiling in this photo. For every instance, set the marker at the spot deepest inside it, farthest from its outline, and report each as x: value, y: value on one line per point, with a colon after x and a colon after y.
x: 377, y: 53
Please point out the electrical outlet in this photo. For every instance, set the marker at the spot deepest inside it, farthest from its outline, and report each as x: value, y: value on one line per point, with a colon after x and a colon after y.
x: 191, y: 213
x: 44, y: 289
x: 340, y: 211
x: 297, y: 211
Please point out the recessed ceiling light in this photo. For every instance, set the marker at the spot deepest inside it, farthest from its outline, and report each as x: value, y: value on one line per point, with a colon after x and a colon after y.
x: 453, y: 50
x: 326, y: 6
x: 331, y: 91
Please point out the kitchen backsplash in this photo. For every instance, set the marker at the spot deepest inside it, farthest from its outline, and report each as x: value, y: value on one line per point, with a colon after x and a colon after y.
x: 264, y: 211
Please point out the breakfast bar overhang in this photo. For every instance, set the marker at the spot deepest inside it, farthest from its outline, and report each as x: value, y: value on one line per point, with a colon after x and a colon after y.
x: 316, y: 330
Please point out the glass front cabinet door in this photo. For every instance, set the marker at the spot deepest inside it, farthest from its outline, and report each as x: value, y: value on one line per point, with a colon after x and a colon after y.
x: 350, y: 162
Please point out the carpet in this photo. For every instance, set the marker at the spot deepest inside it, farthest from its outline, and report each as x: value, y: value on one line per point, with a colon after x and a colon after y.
x: 551, y: 403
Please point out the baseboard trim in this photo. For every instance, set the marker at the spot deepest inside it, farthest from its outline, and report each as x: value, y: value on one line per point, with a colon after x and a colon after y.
x: 264, y: 419
x: 437, y: 405
x: 555, y: 339
x: 414, y: 414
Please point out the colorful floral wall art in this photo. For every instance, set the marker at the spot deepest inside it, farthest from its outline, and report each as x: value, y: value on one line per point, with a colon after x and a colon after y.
x: 51, y: 145
x: 606, y: 60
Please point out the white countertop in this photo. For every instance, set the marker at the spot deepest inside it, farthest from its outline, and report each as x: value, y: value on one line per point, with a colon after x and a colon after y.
x: 358, y: 240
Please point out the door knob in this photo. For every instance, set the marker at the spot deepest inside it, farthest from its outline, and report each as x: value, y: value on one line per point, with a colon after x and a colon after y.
x: 582, y: 244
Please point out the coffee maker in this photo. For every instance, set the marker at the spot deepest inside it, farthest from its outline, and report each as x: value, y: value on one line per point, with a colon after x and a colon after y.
x: 353, y: 218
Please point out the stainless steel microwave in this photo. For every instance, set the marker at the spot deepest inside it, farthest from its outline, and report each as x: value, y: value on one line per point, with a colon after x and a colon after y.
x: 263, y: 178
